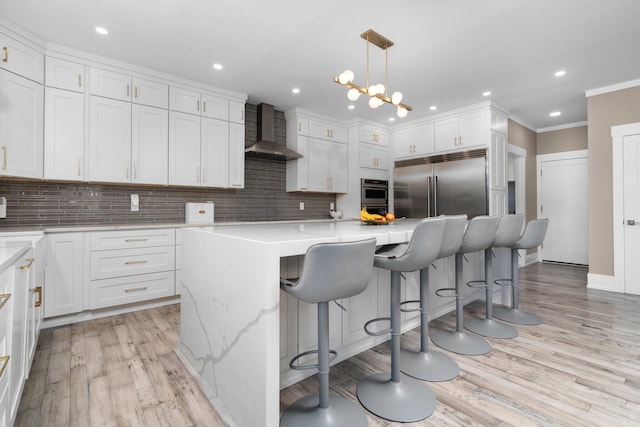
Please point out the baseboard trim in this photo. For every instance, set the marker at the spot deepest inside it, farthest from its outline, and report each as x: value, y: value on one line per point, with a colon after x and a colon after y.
x: 601, y: 282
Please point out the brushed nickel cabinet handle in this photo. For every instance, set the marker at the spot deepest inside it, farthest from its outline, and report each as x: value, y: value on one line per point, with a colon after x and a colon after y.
x: 142, y: 288
x: 138, y: 261
x: 4, y: 360
x: 38, y: 290
x: 28, y: 265
x: 4, y: 298
x: 4, y: 156
x: 6, y: 54
x: 136, y: 239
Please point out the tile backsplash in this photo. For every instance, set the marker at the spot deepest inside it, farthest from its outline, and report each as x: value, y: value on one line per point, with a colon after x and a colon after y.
x: 48, y: 204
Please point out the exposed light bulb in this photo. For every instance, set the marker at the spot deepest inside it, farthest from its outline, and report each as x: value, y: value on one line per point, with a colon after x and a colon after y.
x: 353, y: 94
x: 372, y: 90
x: 402, y: 112
x: 346, y: 77
x: 373, y: 102
x: 396, y: 98
x: 380, y: 88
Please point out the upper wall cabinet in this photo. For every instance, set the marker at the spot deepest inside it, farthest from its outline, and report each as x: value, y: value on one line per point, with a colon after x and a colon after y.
x: 461, y: 132
x: 373, y: 135
x: 236, y: 112
x: 63, y: 74
x: 120, y: 86
x: 201, y: 104
x: 21, y: 59
x: 414, y: 141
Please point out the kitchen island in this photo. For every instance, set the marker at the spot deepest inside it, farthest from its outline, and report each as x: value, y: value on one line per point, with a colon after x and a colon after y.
x: 230, y: 321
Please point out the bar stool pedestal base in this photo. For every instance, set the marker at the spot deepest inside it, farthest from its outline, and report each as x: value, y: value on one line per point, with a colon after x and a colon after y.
x: 490, y: 328
x: 404, y: 401
x: 461, y: 342
x: 517, y: 316
x: 429, y: 366
x: 306, y: 412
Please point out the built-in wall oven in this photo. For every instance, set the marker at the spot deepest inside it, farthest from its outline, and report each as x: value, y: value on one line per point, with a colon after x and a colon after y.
x: 375, y: 195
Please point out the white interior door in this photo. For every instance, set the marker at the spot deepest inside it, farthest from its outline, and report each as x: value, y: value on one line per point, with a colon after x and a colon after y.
x: 631, y: 200
x: 563, y: 195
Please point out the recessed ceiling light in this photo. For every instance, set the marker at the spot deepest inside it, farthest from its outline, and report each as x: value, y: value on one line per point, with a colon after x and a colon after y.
x: 555, y: 114
x: 392, y: 119
x: 351, y: 107
x: 433, y: 108
x: 217, y: 66
x: 487, y: 93
x: 560, y: 73
x: 295, y: 90
x: 101, y: 30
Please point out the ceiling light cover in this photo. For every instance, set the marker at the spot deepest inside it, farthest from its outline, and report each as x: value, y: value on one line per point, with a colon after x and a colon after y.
x: 560, y: 73
x: 102, y: 31
x: 486, y: 93
x: 377, y: 91
x: 217, y: 66
x: 295, y: 90
x: 555, y: 114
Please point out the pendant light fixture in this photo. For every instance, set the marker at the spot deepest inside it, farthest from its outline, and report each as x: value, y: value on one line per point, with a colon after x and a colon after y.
x: 378, y: 92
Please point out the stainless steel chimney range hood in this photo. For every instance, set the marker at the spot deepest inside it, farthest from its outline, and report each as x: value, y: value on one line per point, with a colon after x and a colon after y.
x: 266, y: 145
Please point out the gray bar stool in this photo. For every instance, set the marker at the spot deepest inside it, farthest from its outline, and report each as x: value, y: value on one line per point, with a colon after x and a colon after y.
x: 391, y: 396
x: 330, y: 271
x: 533, y: 237
x: 424, y: 364
x: 478, y: 236
x: 508, y: 232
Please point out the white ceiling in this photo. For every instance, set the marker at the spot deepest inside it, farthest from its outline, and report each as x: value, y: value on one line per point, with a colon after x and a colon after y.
x: 446, y: 53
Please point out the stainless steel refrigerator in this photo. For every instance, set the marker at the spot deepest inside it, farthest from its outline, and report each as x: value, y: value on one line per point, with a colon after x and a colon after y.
x: 441, y: 185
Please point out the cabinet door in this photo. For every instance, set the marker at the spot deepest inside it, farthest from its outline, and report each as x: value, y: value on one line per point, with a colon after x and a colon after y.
x: 149, y: 145
x: 472, y: 129
x: 402, y: 143
x: 109, y: 84
x: 21, y: 59
x: 17, y: 363
x: 373, y: 156
x: 298, y: 170
x: 236, y: 112
x: 184, y: 149
x: 63, y: 134
x: 236, y: 155
x: 21, y: 126
x: 214, y: 152
x: 64, y: 74
x: 446, y: 134
x: 424, y: 140
x: 214, y: 107
x: 318, y: 165
x: 302, y: 126
x: 497, y: 202
x: 64, y: 290
x: 327, y: 130
x: 338, y: 168
x: 373, y: 135
x: 184, y: 100
x: 147, y: 92
x: 360, y: 309
x: 109, y: 140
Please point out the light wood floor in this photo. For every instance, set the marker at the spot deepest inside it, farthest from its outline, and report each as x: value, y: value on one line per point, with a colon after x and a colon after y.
x: 580, y: 368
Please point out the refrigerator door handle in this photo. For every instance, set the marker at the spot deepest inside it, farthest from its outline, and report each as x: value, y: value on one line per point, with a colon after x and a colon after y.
x: 428, y: 196
x: 435, y: 195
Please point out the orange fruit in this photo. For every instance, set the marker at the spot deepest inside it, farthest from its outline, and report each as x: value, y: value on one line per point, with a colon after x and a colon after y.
x: 389, y: 216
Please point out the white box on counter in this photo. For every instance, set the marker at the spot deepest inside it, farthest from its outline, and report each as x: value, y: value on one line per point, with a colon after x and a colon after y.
x: 195, y: 213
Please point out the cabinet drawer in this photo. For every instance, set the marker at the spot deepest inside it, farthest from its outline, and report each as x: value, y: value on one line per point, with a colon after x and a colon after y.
x: 105, y: 240
x: 123, y: 262
x: 126, y: 290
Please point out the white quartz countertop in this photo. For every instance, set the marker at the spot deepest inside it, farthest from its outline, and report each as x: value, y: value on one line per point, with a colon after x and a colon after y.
x: 10, y: 251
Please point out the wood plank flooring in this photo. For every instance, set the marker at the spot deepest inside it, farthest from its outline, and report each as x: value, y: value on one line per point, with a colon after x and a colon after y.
x: 580, y: 368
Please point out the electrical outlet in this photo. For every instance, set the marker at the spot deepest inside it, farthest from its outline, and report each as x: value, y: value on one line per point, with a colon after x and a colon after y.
x: 301, y: 206
x: 332, y: 206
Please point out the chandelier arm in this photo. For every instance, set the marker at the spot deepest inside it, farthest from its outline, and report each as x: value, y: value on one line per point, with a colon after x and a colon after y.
x: 380, y: 96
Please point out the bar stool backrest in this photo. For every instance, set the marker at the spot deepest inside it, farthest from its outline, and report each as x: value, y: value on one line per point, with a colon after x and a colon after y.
x: 533, y: 235
x: 453, y: 231
x: 479, y: 234
x: 509, y: 230
x: 335, y: 270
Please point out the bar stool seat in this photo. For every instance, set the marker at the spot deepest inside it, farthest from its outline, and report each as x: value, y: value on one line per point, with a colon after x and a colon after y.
x: 533, y: 237
x: 508, y: 232
x: 425, y: 364
x: 330, y: 271
x: 478, y: 236
x: 390, y: 396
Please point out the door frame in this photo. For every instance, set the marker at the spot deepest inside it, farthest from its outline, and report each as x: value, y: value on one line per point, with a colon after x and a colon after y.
x: 540, y: 158
x: 519, y: 156
x: 617, y: 136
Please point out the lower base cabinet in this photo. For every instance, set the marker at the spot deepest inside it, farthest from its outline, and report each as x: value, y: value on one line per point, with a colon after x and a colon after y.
x: 64, y: 271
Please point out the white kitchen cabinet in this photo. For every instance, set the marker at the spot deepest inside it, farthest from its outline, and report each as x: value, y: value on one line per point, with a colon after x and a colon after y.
x: 21, y: 126
x: 236, y: 112
x: 35, y: 309
x: 373, y: 135
x: 64, y: 290
x: 374, y: 156
x: 326, y: 130
x: 497, y: 202
x: 359, y: 310
x: 201, y: 104
x: 124, y: 87
x: 461, y: 132
x: 236, y: 155
x: 149, y: 145
x: 63, y: 74
x: 414, y: 142
x: 150, y: 93
x: 214, y: 153
x: 327, y: 166
x: 131, y: 289
x: 184, y: 149
x: 21, y: 59
x: 63, y: 135
x: 109, y: 140
x: 298, y: 170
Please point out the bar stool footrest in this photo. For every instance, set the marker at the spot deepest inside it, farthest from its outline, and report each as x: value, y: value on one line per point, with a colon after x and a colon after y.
x: 477, y: 284
x: 410, y: 310
x: 503, y: 282
x: 377, y: 319
x: 292, y: 365
x: 446, y: 292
